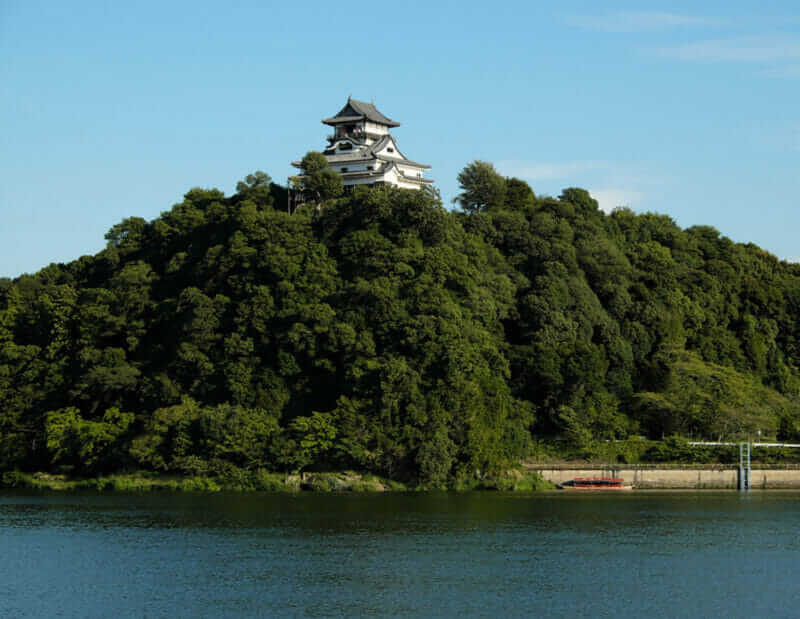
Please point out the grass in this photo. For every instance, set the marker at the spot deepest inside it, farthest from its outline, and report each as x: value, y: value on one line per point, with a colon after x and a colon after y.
x: 240, y: 480
x: 131, y: 482
x: 260, y: 480
x: 513, y: 480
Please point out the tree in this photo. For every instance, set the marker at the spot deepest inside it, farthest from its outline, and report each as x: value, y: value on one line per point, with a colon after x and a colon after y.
x: 91, y: 446
x: 251, y: 181
x: 128, y: 235
x: 482, y: 188
x: 435, y: 458
x: 432, y: 341
x: 256, y: 187
x: 580, y: 198
x: 519, y: 195
x: 317, y: 178
x: 314, y: 437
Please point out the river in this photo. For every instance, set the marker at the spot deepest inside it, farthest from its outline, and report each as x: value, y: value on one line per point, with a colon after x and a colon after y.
x: 555, y: 554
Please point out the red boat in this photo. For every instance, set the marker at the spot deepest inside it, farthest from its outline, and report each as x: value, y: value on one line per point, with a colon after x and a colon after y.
x: 596, y: 483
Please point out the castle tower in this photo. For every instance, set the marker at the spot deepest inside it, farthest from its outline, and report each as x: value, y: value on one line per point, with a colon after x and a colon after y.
x: 365, y: 153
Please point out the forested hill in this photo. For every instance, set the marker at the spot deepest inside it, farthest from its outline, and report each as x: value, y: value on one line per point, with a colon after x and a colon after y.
x: 385, y: 333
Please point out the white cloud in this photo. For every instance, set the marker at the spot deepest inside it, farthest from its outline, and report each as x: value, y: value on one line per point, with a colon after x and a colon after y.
x: 742, y: 49
x: 534, y: 171
x: 639, y: 21
x: 611, y: 198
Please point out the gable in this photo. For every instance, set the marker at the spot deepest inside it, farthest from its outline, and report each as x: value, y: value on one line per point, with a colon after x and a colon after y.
x: 348, y: 110
x: 387, y: 148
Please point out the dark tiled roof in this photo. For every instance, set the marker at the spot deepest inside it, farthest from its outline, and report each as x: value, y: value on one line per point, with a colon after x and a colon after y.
x: 361, y: 174
x: 378, y: 145
x: 413, y: 164
x: 391, y: 163
x: 356, y: 110
x: 384, y: 141
x: 357, y: 146
x: 343, y: 119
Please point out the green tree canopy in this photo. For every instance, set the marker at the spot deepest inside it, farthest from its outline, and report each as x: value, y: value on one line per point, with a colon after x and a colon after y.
x: 386, y: 334
x: 482, y: 188
x: 317, y: 179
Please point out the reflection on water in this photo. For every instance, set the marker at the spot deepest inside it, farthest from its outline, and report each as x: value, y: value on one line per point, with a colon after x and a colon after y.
x: 664, y: 554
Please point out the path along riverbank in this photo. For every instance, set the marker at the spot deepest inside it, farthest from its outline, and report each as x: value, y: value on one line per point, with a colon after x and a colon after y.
x: 675, y: 476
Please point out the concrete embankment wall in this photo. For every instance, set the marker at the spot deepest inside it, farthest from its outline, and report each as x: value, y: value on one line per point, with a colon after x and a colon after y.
x: 676, y: 476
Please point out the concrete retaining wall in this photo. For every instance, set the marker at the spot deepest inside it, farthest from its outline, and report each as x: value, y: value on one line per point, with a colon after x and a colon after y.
x: 690, y: 477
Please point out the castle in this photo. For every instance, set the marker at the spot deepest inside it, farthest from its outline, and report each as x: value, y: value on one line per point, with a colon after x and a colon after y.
x: 365, y: 153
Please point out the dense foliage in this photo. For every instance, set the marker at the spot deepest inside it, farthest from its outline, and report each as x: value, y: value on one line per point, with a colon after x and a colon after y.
x: 383, y: 333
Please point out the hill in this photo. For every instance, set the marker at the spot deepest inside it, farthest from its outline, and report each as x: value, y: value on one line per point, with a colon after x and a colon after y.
x: 381, y: 332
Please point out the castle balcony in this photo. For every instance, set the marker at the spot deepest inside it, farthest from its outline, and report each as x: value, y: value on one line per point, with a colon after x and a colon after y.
x: 356, y: 134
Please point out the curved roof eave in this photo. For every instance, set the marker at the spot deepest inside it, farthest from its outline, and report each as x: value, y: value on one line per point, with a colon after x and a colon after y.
x: 413, y: 164
x: 355, y: 110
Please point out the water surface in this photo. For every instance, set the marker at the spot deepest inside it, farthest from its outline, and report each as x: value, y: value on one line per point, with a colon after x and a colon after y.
x: 656, y: 554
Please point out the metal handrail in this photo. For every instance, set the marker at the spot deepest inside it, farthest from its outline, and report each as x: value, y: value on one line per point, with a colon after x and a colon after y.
x: 724, y: 444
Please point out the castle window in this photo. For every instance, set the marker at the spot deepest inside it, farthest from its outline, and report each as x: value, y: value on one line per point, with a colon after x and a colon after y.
x: 390, y: 150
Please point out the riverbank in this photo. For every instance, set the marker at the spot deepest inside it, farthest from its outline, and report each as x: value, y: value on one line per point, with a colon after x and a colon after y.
x: 265, y: 481
x: 532, y: 477
x: 244, y: 481
x: 675, y: 476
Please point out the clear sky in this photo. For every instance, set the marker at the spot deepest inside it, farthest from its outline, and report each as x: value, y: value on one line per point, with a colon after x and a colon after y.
x: 116, y: 109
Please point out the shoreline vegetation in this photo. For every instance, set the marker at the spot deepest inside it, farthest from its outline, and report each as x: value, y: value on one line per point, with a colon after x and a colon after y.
x: 633, y: 453
x: 262, y: 481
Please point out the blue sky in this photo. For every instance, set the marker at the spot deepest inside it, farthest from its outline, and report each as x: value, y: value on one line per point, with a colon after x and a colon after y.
x: 111, y: 110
